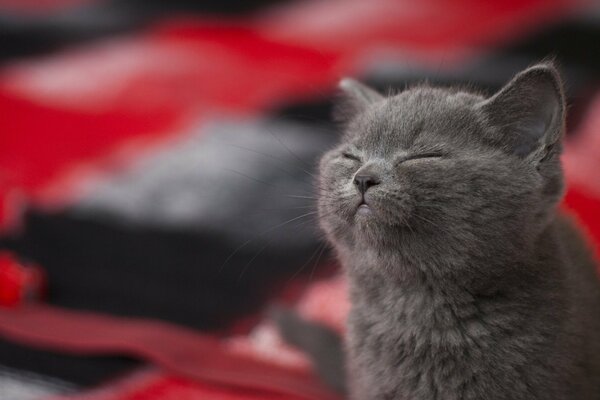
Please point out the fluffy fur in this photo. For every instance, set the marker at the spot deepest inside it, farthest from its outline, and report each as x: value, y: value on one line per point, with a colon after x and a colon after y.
x: 465, y: 281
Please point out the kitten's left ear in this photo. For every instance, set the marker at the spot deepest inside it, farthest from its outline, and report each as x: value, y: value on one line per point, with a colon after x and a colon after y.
x: 528, y: 113
x: 359, y: 92
x: 357, y: 97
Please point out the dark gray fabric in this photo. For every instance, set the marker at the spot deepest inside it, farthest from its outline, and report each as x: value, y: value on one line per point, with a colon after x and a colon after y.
x: 232, y: 178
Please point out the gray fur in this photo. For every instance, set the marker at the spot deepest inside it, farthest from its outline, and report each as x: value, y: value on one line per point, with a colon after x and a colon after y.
x: 465, y: 281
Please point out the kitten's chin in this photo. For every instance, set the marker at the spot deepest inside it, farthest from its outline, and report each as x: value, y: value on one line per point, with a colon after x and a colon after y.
x: 367, y: 221
x: 375, y: 224
x: 375, y: 213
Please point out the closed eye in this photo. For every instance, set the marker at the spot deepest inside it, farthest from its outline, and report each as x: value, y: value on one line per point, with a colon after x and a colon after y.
x: 351, y: 156
x: 424, y: 155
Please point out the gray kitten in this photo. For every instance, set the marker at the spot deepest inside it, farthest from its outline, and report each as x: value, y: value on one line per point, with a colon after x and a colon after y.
x: 465, y: 281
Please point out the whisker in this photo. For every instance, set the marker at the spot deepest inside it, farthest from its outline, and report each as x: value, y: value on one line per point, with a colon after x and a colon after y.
x: 301, y: 197
x: 267, y: 184
x: 290, y: 173
x: 259, y: 252
x: 299, y: 270
x: 323, y: 246
x: 291, y: 152
x: 247, y: 242
x: 408, y: 225
x: 262, y: 211
x: 251, y: 178
x: 430, y: 222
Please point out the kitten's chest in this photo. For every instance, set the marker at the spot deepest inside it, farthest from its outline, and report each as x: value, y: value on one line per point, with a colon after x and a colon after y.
x: 414, y: 344
x: 417, y: 324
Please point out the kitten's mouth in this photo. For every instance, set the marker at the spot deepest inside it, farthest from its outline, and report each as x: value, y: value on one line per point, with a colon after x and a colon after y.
x: 364, y: 209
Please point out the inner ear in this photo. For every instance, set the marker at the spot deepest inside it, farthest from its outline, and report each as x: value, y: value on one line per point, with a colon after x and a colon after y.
x: 359, y: 92
x: 527, y: 115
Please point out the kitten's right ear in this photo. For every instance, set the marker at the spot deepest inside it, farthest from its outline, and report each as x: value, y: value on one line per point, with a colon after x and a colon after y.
x: 356, y: 98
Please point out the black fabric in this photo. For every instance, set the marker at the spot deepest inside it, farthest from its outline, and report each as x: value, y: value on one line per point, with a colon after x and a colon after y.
x: 172, y: 275
x: 84, y: 371
x: 175, y: 276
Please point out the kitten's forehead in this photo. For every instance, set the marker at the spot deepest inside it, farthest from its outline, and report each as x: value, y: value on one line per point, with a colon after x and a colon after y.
x: 420, y: 116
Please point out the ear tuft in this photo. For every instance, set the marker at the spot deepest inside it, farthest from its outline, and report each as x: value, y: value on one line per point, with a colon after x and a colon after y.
x: 528, y: 113
x: 356, y: 98
x: 359, y: 92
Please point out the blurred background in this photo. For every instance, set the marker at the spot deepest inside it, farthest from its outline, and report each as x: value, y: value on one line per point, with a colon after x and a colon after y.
x: 157, y: 163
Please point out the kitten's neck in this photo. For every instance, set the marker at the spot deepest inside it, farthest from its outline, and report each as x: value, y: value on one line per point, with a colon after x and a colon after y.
x: 433, y: 273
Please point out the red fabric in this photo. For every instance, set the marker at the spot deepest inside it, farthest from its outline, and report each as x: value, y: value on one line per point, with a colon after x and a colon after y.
x: 581, y: 162
x: 179, y: 350
x: 19, y: 283
x: 586, y: 207
x: 425, y: 29
x: 153, y: 384
x: 39, y: 6
x: 76, y: 109
x: 80, y: 108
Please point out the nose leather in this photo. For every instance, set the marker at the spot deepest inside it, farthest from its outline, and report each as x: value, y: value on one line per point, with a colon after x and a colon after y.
x: 364, y: 181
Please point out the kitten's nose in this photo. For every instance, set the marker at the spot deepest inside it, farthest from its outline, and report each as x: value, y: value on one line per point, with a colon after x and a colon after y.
x: 365, y: 181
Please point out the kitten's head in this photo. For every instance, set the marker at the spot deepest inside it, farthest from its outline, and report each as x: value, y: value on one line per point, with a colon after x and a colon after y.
x: 448, y: 164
